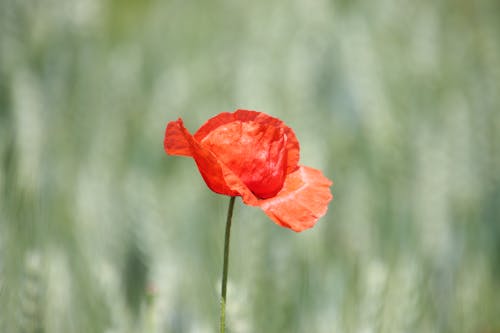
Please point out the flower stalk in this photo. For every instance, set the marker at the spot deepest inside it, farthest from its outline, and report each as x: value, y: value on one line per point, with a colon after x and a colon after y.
x: 226, y: 265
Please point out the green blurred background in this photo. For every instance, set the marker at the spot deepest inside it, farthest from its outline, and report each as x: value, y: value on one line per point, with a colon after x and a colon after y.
x: 397, y: 101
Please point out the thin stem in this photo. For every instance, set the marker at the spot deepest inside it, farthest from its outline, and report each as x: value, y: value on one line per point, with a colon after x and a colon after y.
x: 226, y: 264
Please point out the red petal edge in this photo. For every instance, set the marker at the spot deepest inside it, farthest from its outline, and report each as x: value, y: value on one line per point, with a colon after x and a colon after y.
x: 178, y: 141
x: 175, y: 142
x: 302, y: 201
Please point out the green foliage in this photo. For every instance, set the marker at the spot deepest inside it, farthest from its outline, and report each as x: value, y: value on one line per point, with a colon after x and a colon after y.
x: 397, y: 102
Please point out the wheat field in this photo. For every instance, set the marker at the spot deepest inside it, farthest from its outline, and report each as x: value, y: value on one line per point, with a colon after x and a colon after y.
x: 398, y: 102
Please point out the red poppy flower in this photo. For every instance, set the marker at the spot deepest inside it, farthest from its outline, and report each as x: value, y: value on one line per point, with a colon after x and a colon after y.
x: 255, y: 156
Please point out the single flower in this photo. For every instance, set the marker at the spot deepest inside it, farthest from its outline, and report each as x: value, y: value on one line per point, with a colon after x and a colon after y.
x: 255, y: 156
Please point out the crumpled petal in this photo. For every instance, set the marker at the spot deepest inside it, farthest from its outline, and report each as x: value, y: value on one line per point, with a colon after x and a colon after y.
x: 175, y: 142
x: 178, y: 141
x: 254, y: 152
x: 292, y: 144
x: 302, y: 201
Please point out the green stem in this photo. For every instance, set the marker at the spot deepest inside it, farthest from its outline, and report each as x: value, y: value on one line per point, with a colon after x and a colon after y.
x: 225, y: 267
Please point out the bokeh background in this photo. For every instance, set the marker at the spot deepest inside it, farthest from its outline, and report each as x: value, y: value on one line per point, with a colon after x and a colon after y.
x: 397, y: 101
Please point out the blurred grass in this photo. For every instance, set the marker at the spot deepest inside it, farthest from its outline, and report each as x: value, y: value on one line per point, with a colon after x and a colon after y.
x: 397, y: 102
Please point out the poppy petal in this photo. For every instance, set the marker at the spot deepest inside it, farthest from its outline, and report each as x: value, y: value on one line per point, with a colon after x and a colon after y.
x: 302, y: 201
x: 292, y: 144
x: 218, y: 177
x: 254, y: 152
x: 178, y: 141
x: 175, y: 142
x: 212, y: 123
